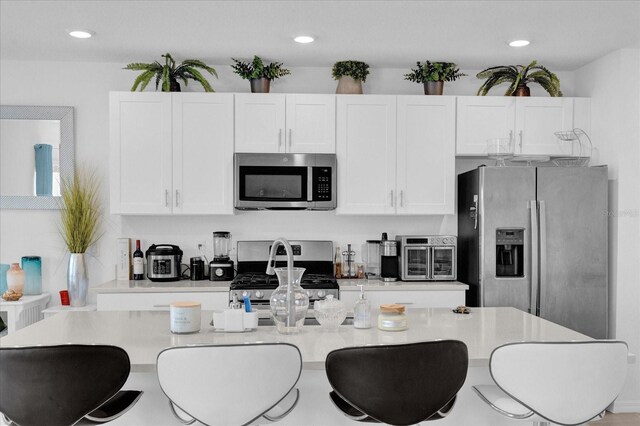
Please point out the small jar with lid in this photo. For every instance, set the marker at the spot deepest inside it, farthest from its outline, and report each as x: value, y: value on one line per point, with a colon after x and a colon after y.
x: 392, y: 318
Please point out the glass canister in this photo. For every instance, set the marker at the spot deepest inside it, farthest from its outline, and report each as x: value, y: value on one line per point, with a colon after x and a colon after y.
x: 392, y: 318
x: 32, y: 266
x: 282, y: 303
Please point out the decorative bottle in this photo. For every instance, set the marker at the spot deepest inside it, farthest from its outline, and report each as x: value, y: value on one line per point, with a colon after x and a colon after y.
x: 138, y: 263
x: 338, y: 263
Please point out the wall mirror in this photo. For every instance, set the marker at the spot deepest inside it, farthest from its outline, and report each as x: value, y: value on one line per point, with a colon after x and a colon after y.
x: 36, y: 152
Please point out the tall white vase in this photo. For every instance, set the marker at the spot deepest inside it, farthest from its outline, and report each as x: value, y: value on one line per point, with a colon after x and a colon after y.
x: 77, y: 280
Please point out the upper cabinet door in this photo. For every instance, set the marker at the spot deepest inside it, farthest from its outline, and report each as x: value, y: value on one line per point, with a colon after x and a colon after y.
x: 259, y: 122
x: 481, y: 118
x: 203, y: 153
x: 140, y: 145
x: 311, y: 124
x: 536, y: 121
x: 426, y: 154
x: 366, y: 153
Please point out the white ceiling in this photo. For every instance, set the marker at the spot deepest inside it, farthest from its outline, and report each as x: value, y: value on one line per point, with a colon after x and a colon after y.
x: 565, y: 34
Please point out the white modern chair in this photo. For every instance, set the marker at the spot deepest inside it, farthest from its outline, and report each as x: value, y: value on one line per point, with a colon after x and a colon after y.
x: 567, y: 383
x: 230, y: 384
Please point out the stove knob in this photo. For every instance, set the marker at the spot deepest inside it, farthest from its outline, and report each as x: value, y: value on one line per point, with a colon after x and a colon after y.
x: 259, y: 294
x: 246, y: 294
x: 310, y: 293
x: 321, y: 293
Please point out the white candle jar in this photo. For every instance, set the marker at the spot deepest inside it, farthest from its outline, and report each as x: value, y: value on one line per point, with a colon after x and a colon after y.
x: 184, y: 317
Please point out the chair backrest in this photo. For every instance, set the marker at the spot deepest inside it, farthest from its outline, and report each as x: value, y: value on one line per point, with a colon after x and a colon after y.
x: 564, y: 382
x: 58, y: 385
x: 399, y: 384
x: 228, y: 384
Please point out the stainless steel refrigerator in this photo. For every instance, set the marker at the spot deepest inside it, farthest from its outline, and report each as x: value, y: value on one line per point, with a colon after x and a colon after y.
x: 535, y: 238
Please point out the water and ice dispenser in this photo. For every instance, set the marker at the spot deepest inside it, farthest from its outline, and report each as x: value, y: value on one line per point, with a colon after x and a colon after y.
x: 510, y: 252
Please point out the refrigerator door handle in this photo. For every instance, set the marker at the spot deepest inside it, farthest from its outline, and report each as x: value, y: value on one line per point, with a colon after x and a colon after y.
x: 473, y: 212
x: 533, y: 307
x: 543, y: 251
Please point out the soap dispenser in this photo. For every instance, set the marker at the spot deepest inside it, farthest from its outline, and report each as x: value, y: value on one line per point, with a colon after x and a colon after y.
x: 362, y: 311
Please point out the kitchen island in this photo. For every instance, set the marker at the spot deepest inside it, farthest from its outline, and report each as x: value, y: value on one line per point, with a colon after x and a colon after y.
x: 143, y: 334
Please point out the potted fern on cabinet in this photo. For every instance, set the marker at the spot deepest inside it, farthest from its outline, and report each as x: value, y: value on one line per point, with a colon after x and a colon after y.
x: 350, y: 76
x: 259, y: 74
x: 169, y: 74
x: 433, y: 75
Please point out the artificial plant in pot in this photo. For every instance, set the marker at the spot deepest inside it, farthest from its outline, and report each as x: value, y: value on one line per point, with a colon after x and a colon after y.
x: 433, y: 75
x: 518, y: 76
x: 169, y: 74
x: 350, y: 76
x: 80, y: 222
x: 259, y: 74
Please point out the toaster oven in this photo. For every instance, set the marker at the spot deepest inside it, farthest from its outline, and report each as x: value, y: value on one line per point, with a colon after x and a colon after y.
x: 427, y: 257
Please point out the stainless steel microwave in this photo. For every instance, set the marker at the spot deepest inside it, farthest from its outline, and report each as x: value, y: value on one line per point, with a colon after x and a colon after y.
x: 285, y: 181
x: 427, y: 257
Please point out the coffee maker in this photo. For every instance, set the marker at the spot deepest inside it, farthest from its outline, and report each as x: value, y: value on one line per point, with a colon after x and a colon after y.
x: 221, y: 267
x: 388, y: 259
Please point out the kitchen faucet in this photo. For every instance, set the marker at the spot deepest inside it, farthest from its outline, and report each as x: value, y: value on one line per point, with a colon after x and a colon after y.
x: 290, y: 320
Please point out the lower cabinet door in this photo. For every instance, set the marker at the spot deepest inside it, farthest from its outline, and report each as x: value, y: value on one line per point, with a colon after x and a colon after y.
x: 160, y: 301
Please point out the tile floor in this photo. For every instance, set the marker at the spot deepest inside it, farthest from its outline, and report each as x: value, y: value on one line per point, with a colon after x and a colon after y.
x: 622, y: 419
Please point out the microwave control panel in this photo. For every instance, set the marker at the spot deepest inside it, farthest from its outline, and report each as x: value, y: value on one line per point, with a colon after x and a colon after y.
x: 321, y: 183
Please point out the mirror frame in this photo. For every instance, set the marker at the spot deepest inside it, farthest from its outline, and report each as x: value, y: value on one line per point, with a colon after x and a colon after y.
x: 64, y: 114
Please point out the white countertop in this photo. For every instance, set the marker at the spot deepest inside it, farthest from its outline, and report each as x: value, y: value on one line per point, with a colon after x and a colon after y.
x: 377, y: 285
x: 147, y: 286
x: 143, y: 334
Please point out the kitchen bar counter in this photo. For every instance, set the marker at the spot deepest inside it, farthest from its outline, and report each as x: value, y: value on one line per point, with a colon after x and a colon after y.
x: 143, y: 334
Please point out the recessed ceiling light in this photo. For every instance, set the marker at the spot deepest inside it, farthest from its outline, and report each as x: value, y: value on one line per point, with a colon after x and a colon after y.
x: 304, y: 39
x: 518, y: 43
x: 81, y: 33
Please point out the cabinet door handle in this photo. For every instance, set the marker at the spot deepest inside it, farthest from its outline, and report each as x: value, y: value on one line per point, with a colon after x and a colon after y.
x: 510, y: 137
x: 160, y: 306
x: 290, y: 139
x: 166, y: 198
x: 520, y: 140
x: 401, y: 198
x: 279, y: 139
x: 392, y: 198
x: 177, y: 198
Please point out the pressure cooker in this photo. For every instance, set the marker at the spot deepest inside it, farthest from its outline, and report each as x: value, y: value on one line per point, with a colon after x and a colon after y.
x: 164, y: 262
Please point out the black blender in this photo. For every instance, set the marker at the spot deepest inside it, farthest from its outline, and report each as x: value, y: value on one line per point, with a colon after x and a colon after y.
x: 221, y: 267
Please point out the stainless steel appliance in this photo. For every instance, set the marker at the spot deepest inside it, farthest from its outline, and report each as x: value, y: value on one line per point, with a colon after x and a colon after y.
x: 388, y: 260
x: 536, y: 239
x: 221, y: 267
x: 252, y: 281
x: 285, y: 181
x: 164, y: 262
x: 427, y: 257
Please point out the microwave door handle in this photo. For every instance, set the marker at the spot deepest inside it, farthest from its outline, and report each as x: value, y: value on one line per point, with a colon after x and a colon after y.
x: 309, y: 183
x: 430, y: 263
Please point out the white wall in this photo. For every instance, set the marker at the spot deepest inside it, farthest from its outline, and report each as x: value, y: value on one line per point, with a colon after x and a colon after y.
x: 613, y: 85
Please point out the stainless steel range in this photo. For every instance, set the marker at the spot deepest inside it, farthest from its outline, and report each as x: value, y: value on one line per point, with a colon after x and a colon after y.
x: 315, y: 256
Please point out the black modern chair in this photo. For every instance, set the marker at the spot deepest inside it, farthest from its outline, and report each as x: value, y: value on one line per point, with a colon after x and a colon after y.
x: 397, y: 384
x: 60, y: 385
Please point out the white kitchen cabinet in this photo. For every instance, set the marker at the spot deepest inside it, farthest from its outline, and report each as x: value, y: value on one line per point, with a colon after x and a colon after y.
x: 149, y: 301
x: 425, y: 177
x: 396, y: 154
x: 530, y: 122
x: 171, y: 153
x: 269, y: 122
x: 409, y: 298
x: 366, y: 153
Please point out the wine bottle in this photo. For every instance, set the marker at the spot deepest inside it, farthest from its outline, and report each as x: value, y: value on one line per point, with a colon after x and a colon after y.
x: 138, y: 263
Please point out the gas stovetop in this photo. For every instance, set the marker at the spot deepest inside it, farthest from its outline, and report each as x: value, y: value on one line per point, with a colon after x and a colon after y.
x: 252, y: 281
